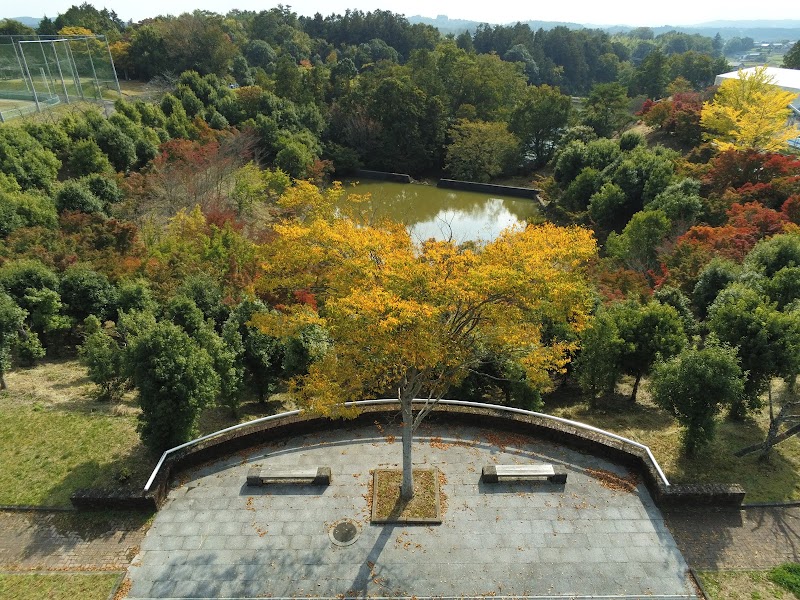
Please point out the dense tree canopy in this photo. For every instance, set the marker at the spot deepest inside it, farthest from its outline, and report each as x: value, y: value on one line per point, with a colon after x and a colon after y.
x: 186, y: 217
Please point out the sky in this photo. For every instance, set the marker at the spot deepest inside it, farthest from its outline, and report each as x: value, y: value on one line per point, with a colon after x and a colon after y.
x: 595, y: 12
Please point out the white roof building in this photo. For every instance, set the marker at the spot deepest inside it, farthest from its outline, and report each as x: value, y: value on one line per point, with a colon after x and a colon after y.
x: 787, y: 79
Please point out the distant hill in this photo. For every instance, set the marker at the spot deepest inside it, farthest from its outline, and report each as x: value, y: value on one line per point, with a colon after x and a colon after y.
x: 782, y: 24
x: 447, y: 25
x: 760, y: 31
x: 763, y: 33
x: 28, y: 21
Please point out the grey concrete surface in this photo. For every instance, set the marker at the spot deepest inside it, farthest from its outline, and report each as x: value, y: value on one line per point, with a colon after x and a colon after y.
x: 218, y: 538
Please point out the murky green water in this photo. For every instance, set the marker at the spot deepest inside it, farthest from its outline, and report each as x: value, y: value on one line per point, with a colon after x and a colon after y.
x: 429, y: 211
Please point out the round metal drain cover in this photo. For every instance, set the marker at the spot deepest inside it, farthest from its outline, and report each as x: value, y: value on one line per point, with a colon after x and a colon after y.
x: 344, y: 533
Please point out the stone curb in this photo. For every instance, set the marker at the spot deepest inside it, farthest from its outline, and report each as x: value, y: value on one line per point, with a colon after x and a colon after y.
x: 35, y: 508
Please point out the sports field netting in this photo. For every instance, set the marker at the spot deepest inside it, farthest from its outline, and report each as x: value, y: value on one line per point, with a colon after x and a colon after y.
x: 37, y: 72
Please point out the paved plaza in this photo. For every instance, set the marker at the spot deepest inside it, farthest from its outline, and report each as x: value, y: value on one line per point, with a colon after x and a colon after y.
x: 218, y: 538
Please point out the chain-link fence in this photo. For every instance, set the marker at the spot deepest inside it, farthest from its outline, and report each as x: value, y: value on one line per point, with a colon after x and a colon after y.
x: 37, y: 72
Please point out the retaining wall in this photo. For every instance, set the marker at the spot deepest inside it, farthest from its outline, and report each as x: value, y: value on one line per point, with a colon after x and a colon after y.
x: 594, y: 443
x: 384, y: 176
x: 489, y: 188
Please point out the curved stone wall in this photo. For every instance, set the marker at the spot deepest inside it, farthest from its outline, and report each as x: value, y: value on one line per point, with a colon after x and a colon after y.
x: 499, y: 418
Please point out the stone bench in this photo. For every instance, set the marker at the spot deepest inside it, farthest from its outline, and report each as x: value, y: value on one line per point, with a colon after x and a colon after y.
x: 312, y: 476
x: 494, y: 473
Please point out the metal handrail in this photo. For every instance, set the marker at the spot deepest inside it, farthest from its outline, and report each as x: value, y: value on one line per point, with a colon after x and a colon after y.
x: 384, y: 401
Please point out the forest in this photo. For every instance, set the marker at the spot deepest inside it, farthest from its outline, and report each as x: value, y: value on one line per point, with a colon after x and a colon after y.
x: 193, y: 247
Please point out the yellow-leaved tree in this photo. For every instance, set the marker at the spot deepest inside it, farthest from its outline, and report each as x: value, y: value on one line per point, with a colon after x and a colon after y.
x: 415, y: 319
x: 749, y: 112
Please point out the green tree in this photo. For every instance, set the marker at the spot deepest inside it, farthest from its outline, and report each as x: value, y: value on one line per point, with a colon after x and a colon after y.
x: 784, y: 286
x: 12, y: 322
x: 666, y: 294
x: 135, y: 295
x: 25, y: 209
x: 606, y: 204
x: 206, y: 292
x: 104, y: 359
x: 520, y: 53
x: 87, y: 158
x: 87, y: 16
x: 175, y: 379
x: 294, y: 158
x: 694, y: 385
x: 766, y: 339
x: 20, y: 275
x: 578, y: 194
x: 648, y: 332
x: 411, y: 126
x: 183, y: 311
x: 639, y: 243
x: 539, y: 119
x: 481, y: 151
x: 74, y: 195
x: 714, y: 278
x: 652, y: 75
x: 260, y: 355
x: 791, y: 60
x: 118, y: 146
x: 14, y: 27
x: 148, y: 52
x: 26, y: 160
x: 45, y: 312
x: 32, y: 286
x: 607, y: 109
x: 775, y: 253
x: 598, y: 365
x: 86, y: 292
x: 680, y: 202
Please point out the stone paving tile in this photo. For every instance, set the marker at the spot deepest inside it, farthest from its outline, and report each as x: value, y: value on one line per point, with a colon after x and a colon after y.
x: 578, y: 539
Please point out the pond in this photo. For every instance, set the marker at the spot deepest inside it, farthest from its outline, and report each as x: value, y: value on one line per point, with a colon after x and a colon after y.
x: 431, y: 212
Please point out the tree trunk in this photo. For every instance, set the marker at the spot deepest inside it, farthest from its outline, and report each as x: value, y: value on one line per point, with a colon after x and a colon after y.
x: 407, y: 489
x: 636, y: 387
x: 784, y: 415
x: 2, y: 381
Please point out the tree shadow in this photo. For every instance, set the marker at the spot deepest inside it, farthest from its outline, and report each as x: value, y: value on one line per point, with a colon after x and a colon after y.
x: 219, y: 417
x: 126, y: 475
x: 775, y: 479
x: 360, y: 588
x: 615, y: 412
x: 703, y: 533
x: 58, y: 534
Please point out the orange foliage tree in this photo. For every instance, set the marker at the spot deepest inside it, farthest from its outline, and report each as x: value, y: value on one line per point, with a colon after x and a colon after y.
x: 417, y: 319
x: 193, y: 243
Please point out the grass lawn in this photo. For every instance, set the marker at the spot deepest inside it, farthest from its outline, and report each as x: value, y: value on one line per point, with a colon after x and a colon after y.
x: 61, y: 586
x: 134, y: 89
x: 742, y: 585
x: 12, y: 104
x: 56, y: 437
x: 775, y: 480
